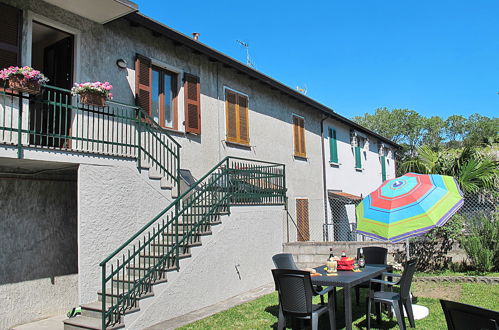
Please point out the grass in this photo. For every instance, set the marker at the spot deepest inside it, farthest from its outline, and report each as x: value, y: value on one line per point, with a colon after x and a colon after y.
x: 262, y: 312
x: 452, y: 273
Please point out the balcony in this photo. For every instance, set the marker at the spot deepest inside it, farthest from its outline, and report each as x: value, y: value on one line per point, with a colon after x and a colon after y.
x: 56, y: 120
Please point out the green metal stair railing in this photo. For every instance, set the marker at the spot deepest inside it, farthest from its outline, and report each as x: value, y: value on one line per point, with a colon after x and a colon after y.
x: 129, y: 272
x: 54, y: 119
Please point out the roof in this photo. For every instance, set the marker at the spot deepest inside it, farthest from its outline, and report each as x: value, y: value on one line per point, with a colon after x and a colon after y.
x: 229, y: 62
x: 344, y: 197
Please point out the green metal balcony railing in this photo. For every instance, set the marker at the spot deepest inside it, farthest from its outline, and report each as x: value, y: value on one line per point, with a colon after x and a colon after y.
x: 129, y: 272
x: 54, y: 119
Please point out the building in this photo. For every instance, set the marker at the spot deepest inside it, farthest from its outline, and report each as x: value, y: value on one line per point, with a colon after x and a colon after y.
x: 356, y: 163
x: 84, y: 188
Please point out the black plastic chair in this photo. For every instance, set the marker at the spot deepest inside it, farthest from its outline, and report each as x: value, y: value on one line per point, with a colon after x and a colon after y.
x: 467, y: 317
x: 285, y: 261
x: 295, y: 298
x: 374, y: 255
x: 397, y: 300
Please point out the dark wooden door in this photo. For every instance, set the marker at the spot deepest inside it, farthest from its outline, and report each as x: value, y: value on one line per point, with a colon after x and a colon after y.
x: 302, y: 220
x: 51, y: 121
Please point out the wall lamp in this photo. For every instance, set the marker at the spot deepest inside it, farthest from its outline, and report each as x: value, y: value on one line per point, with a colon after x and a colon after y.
x: 121, y: 63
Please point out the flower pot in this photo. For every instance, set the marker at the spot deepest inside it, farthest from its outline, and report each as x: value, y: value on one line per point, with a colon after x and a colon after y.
x: 94, y: 99
x: 23, y: 85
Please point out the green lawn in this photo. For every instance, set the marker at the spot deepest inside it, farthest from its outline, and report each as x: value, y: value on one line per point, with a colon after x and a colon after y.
x: 262, y: 313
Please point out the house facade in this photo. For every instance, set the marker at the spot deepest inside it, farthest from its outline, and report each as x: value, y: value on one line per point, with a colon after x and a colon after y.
x: 356, y: 163
x: 107, y: 207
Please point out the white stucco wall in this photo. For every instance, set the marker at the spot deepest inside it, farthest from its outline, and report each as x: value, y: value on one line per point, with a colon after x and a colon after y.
x: 114, y: 201
x: 30, y: 300
x: 344, y: 176
x: 249, y: 237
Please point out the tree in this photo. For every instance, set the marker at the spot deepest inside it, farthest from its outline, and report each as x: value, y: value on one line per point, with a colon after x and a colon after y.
x: 481, y: 130
x: 473, y: 171
x: 402, y: 126
x: 456, y: 127
x: 434, y: 131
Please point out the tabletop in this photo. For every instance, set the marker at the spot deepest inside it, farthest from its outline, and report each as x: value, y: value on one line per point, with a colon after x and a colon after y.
x: 348, y: 278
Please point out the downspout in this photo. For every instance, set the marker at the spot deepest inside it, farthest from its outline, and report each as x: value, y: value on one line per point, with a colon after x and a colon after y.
x: 325, y: 230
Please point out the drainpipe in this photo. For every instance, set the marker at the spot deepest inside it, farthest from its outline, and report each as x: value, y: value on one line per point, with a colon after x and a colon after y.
x: 324, y: 232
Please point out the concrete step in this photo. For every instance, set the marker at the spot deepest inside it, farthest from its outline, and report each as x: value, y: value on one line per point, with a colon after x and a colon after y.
x: 85, y: 322
x: 164, y: 183
x: 123, y: 282
x: 112, y: 294
x: 181, y: 233
x: 188, y: 224
x: 184, y: 248
x: 158, y: 255
x: 140, y: 269
x: 94, y: 309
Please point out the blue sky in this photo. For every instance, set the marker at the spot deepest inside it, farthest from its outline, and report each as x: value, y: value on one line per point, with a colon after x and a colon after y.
x: 436, y: 57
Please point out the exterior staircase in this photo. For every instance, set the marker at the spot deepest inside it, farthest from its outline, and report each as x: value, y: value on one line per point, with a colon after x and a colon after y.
x: 130, y: 273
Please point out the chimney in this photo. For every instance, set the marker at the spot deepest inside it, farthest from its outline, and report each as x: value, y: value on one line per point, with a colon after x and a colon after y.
x: 195, y: 36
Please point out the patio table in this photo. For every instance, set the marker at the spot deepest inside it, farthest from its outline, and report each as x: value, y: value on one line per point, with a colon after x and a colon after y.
x: 347, y: 280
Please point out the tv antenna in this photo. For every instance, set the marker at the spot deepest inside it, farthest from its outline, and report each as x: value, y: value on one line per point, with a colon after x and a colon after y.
x: 249, y: 61
x: 302, y: 90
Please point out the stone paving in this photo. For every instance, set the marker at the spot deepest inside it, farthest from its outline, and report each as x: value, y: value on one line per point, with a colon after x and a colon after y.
x: 51, y: 323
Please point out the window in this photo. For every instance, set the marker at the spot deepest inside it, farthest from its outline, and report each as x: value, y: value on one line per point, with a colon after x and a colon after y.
x: 236, y: 113
x: 302, y: 220
x: 358, y: 158
x: 299, y: 136
x: 163, y: 97
x: 383, y: 168
x: 157, y: 91
x: 333, y: 146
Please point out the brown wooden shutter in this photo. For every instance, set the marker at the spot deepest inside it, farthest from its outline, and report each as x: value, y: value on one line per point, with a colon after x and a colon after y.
x: 231, y: 116
x: 302, y: 220
x: 192, y: 104
x: 10, y: 36
x: 242, y: 102
x: 303, y: 151
x: 143, y: 83
x: 299, y: 136
x: 296, y: 138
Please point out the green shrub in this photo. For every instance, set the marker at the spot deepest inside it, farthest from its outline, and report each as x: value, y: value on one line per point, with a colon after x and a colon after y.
x: 482, y: 242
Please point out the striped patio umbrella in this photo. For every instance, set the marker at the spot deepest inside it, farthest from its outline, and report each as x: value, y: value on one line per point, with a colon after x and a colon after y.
x: 408, y: 206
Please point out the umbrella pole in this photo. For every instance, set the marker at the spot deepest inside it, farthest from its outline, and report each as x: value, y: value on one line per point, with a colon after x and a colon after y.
x: 407, y: 249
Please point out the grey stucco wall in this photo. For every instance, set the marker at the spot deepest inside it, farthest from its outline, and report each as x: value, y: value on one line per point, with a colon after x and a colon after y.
x: 248, y: 237
x: 114, y: 201
x: 38, y: 249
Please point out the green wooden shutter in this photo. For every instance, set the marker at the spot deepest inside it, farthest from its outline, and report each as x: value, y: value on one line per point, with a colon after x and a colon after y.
x: 333, y: 147
x: 358, y: 159
x: 383, y: 168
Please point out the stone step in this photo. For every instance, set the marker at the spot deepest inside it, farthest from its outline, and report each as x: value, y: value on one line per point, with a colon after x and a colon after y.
x: 164, y: 183
x: 112, y: 294
x: 140, y: 269
x: 84, y: 322
x: 123, y: 282
x: 181, y: 233
x: 94, y: 309
x: 158, y: 255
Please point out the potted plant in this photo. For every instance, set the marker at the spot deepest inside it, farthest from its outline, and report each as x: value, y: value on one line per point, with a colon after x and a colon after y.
x: 93, y: 93
x: 23, y: 79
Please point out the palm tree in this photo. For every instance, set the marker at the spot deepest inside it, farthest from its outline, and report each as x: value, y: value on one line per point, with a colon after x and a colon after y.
x: 473, y: 171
